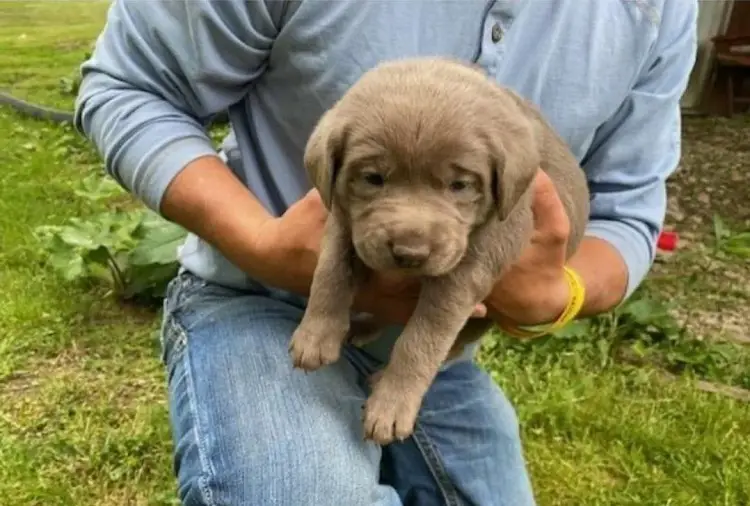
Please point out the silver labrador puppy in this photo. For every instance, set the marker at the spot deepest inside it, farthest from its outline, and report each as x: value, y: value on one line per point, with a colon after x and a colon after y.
x: 426, y: 167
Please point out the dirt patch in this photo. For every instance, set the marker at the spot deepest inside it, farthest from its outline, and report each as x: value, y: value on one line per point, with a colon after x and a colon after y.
x: 713, y: 176
x: 709, y: 289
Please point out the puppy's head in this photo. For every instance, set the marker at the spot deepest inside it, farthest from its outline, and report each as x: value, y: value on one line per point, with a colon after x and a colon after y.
x: 418, y: 154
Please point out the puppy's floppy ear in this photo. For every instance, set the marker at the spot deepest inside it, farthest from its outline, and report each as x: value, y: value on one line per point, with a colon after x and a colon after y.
x: 515, y: 160
x: 324, y: 154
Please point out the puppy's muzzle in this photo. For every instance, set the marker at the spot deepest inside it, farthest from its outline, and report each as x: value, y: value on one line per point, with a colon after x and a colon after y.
x: 409, y: 254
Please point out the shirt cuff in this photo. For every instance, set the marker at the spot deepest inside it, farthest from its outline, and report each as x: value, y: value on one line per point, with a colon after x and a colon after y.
x: 636, y: 250
x: 156, y: 167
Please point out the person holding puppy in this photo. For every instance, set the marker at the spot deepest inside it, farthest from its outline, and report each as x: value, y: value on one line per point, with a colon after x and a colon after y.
x: 248, y: 429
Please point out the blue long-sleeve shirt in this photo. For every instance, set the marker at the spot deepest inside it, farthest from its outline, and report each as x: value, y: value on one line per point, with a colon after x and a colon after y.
x: 607, y: 74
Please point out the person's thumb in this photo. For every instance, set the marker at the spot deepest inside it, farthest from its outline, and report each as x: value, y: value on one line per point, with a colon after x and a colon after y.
x: 551, y: 224
x: 312, y: 199
x: 309, y: 207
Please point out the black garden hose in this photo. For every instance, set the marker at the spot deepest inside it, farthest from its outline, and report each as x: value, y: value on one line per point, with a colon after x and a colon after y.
x: 36, y: 111
x: 60, y: 116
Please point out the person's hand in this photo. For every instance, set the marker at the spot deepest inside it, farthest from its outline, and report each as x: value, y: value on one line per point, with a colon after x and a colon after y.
x: 534, y: 290
x: 292, y: 245
x: 391, y: 298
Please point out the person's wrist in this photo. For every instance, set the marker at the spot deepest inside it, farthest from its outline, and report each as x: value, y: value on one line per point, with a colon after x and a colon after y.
x: 543, y: 305
x: 573, y: 288
x: 267, y: 242
x: 553, y: 299
x: 280, y: 260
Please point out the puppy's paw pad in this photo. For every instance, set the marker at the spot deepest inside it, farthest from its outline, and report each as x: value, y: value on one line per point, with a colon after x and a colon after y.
x: 389, y: 418
x: 310, y: 352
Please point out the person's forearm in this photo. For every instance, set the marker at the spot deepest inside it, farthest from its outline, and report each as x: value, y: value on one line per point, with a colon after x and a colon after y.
x: 604, y: 275
x: 207, y: 199
x: 145, y: 94
x: 602, y: 270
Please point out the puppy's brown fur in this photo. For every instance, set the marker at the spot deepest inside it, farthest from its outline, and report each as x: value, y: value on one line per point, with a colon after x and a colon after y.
x: 426, y: 167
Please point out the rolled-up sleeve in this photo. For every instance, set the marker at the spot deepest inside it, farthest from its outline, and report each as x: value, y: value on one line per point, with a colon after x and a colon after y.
x: 639, y: 147
x: 160, y: 69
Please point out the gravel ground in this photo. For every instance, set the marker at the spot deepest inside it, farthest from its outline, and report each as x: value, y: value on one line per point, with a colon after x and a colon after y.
x: 710, y: 289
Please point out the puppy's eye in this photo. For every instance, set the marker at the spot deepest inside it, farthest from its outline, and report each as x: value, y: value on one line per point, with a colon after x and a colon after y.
x: 374, y: 179
x: 458, y: 185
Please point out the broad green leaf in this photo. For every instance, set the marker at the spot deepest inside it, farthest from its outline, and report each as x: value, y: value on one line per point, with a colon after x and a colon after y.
x: 150, y: 280
x: 100, y: 255
x: 70, y: 266
x: 77, y: 236
x: 159, y: 245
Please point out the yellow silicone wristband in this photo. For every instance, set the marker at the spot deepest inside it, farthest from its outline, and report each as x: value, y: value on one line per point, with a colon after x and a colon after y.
x: 577, y: 296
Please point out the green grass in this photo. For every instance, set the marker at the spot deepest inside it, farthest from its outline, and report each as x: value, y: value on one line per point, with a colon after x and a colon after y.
x: 83, y: 418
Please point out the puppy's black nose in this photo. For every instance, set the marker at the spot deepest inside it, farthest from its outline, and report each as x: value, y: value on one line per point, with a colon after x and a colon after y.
x: 410, y: 256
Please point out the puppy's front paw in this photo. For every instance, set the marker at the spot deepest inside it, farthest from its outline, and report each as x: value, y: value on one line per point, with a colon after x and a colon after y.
x: 313, y: 348
x: 390, y: 413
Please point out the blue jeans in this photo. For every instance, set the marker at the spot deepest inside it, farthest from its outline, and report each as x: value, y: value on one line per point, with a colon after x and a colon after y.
x: 249, y: 430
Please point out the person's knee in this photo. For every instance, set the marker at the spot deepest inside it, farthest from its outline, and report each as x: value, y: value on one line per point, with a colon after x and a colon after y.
x: 287, y: 473
x: 474, y: 429
x: 294, y: 444
x: 464, y: 387
x: 471, y: 418
x: 251, y: 430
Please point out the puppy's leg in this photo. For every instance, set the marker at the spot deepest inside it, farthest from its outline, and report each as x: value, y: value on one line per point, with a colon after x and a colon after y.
x: 444, y: 306
x: 325, y: 325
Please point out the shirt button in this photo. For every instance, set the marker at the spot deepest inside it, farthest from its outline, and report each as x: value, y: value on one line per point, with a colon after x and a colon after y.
x: 497, y: 33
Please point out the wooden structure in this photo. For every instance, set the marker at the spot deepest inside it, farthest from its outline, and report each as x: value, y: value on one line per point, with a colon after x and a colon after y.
x: 723, y: 26
x: 733, y: 68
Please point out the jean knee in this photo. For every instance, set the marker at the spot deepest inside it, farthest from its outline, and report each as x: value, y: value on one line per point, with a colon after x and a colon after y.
x: 472, y: 428
x: 250, y: 430
x: 287, y: 472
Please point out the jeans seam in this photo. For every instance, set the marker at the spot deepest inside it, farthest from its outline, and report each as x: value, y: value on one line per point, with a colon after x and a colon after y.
x: 435, y: 465
x: 206, y: 471
x: 173, y: 340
